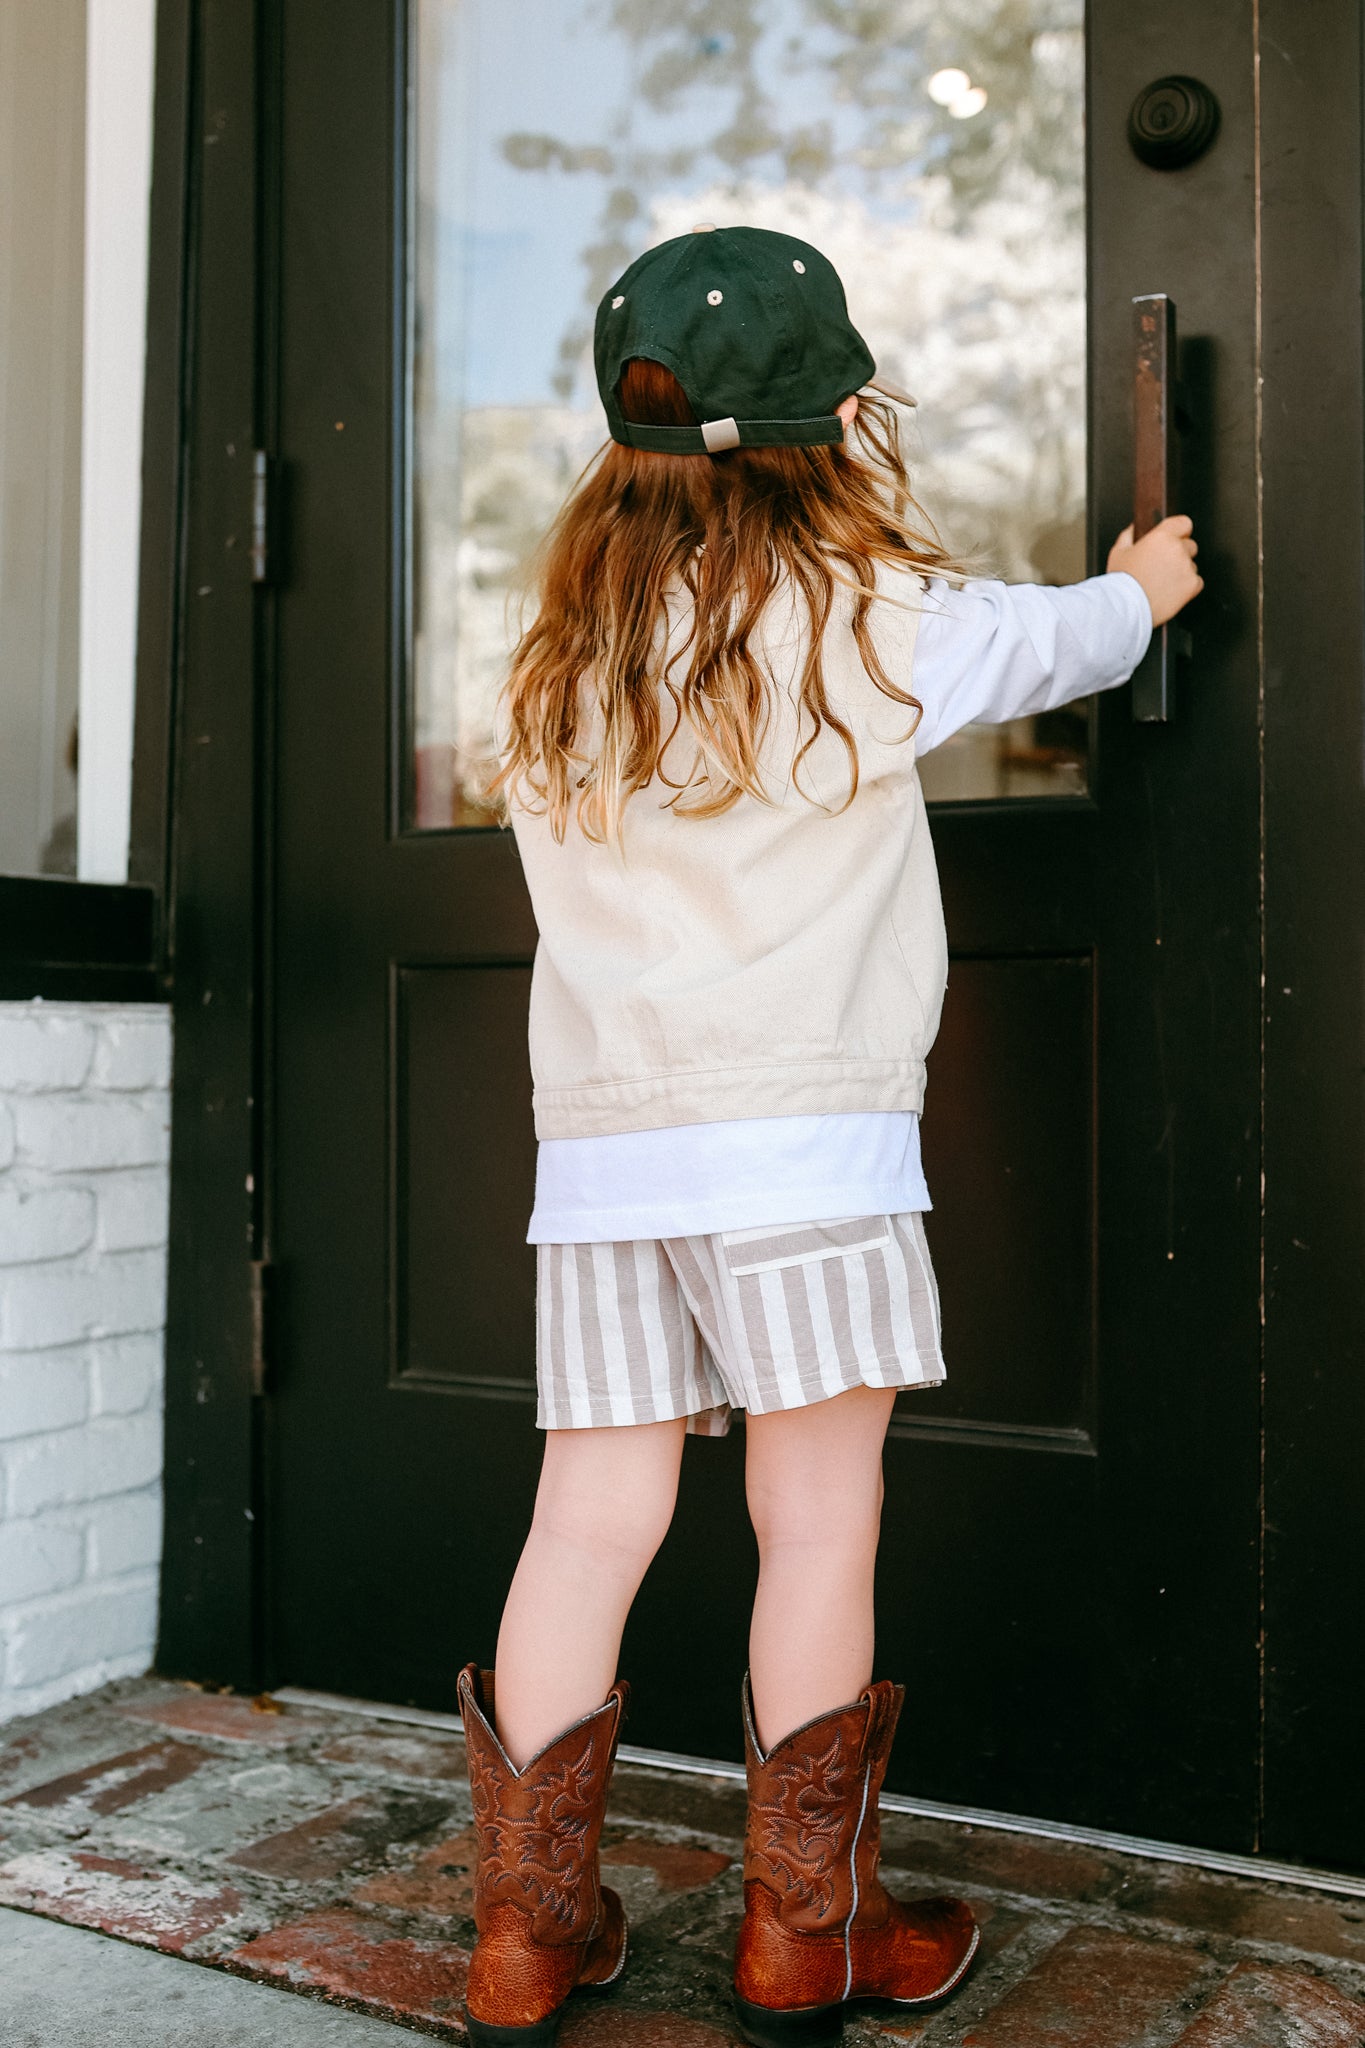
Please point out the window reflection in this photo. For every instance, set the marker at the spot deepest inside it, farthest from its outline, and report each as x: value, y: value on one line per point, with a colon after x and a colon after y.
x: 552, y: 144
x: 42, y: 112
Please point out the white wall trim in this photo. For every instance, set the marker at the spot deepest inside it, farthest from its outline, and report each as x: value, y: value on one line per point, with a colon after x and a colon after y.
x: 120, y: 47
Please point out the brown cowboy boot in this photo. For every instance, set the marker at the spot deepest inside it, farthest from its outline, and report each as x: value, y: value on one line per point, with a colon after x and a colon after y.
x: 545, y: 1923
x: 819, y: 1928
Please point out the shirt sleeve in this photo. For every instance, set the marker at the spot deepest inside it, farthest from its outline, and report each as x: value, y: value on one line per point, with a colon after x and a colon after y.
x: 987, y: 652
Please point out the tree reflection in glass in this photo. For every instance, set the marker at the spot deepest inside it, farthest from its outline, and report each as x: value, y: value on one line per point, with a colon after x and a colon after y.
x: 933, y: 148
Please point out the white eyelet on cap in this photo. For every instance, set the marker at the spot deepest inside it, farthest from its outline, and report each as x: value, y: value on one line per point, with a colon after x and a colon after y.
x: 619, y: 301
x: 714, y: 298
x: 798, y: 266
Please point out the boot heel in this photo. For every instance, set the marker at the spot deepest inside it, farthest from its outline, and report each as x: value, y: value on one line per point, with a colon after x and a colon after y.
x: 540, y: 2034
x: 807, y: 2026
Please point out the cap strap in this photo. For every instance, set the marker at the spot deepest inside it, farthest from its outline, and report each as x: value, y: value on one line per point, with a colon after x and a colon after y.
x: 825, y: 432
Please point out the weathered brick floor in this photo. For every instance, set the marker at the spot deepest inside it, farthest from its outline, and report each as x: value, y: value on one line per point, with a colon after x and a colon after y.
x: 330, y: 1854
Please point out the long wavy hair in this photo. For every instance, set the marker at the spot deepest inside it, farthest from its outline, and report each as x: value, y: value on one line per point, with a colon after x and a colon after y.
x: 727, y: 530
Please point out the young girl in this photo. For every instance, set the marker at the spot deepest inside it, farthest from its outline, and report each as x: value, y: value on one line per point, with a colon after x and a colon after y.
x: 746, y: 634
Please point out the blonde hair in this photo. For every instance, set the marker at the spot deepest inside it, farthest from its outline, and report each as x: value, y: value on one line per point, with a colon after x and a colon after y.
x: 729, y: 529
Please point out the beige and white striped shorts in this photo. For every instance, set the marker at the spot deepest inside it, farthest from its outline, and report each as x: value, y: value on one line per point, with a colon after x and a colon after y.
x: 653, y: 1328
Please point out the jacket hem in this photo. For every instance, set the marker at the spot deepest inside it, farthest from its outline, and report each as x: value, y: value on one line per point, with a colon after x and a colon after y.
x: 805, y: 1088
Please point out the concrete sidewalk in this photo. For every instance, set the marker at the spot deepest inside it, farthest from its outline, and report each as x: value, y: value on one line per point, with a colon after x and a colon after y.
x: 291, y: 1851
x: 60, y: 1985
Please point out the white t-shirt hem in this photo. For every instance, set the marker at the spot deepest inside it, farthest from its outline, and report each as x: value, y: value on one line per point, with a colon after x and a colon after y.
x: 695, y: 1219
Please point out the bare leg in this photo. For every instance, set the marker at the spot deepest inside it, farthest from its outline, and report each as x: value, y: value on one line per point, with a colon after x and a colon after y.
x: 603, y: 1507
x: 814, y: 1480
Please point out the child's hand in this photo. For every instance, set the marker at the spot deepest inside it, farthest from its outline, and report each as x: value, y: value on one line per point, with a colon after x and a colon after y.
x: 1163, y: 563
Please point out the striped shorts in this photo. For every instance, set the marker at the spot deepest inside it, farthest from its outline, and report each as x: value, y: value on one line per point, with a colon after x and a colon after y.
x: 650, y: 1329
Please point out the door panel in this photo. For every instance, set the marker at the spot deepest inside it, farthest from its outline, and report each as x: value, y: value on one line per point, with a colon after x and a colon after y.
x: 1176, y: 887
x: 1009, y: 1157
x: 463, y: 1177
x: 1069, y: 1576
x: 987, y: 1612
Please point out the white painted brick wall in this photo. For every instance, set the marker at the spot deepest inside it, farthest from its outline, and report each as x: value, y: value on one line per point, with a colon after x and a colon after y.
x: 84, y: 1145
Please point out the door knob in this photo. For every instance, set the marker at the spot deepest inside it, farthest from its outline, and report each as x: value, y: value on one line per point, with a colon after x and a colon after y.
x: 1158, y: 414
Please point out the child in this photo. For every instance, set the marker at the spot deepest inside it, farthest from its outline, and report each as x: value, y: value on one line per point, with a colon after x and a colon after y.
x: 708, y: 743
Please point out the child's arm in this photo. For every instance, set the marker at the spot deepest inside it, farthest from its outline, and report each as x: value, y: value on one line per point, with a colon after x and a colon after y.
x: 995, y: 651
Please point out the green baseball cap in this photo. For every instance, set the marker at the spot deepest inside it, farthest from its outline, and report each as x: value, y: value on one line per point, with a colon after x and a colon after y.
x: 755, y: 328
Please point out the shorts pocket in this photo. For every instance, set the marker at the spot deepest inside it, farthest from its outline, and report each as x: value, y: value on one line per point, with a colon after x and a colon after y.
x: 765, y: 1249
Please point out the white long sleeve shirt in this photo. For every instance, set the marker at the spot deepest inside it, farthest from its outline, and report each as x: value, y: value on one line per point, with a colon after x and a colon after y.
x: 984, y: 653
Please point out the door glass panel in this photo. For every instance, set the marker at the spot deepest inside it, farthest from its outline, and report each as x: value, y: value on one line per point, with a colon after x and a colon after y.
x: 936, y: 155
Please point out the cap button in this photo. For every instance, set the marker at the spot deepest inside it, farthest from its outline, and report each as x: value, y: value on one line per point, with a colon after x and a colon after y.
x: 704, y: 227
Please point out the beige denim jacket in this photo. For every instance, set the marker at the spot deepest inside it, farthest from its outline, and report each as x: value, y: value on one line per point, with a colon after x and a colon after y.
x: 782, y: 959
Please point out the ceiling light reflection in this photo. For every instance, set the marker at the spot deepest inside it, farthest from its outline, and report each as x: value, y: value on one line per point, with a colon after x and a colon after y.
x: 946, y: 86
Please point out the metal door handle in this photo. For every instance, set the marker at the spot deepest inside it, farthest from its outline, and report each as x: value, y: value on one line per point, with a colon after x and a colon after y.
x: 1158, y: 414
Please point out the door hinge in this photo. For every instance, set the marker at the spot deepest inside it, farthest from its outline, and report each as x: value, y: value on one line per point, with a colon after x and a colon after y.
x: 262, y: 1301
x: 262, y: 517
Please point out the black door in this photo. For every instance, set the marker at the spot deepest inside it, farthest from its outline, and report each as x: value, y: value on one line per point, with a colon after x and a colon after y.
x: 1070, y: 1563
